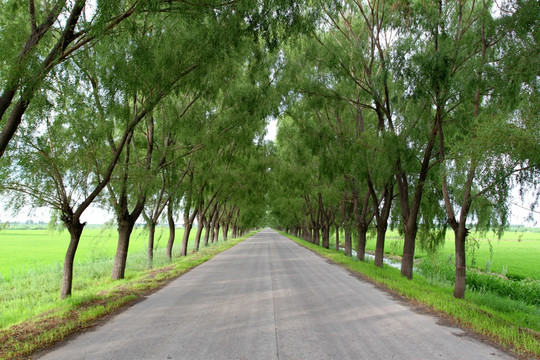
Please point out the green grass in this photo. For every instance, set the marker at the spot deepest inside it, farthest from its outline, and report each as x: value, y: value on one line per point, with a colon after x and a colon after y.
x: 23, y: 250
x: 511, y: 323
x: 516, y: 254
x: 36, y: 318
x: 32, y: 261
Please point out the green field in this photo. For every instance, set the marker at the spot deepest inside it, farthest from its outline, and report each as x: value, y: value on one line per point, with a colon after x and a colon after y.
x: 23, y: 250
x: 516, y: 254
x: 32, y: 262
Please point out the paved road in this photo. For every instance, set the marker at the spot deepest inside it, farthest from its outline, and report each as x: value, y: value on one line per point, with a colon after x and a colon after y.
x: 269, y: 298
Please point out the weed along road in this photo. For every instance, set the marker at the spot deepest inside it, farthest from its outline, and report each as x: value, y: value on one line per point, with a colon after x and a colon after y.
x: 269, y: 298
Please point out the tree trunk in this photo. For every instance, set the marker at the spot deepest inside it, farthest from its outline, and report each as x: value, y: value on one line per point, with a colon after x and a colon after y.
x: 225, y: 231
x: 185, y: 239
x: 407, y: 260
x: 151, y: 237
x: 212, y: 232
x: 200, y: 227
x: 460, y: 283
x: 348, y: 242
x: 172, y: 231
x: 326, y: 236
x: 124, y: 233
x: 382, y: 216
x: 346, y: 216
x: 362, y: 223
x: 337, y: 238
x: 216, y: 233
x: 75, y: 230
x: 379, y: 247
x: 306, y: 234
x: 362, y: 236
x: 316, y: 235
x: 207, y: 229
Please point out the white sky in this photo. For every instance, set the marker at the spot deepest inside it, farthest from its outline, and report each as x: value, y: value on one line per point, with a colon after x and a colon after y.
x: 96, y: 215
x: 271, y: 130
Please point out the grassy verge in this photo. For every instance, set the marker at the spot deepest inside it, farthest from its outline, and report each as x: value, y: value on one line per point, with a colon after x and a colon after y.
x: 81, y: 311
x: 496, y: 318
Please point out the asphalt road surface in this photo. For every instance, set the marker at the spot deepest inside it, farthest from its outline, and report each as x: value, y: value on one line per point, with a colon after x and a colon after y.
x: 269, y: 298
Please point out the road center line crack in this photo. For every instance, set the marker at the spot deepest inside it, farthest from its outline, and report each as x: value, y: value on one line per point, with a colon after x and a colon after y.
x: 274, y: 303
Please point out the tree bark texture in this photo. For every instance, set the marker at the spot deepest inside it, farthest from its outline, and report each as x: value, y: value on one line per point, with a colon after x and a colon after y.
x: 460, y: 234
x: 172, y: 230
x: 151, y: 237
x: 407, y: 261
x: 379, y: 247
x: 185, y: 238
x: 124, y: 233
x: 207, y: 227
x: 348, y: 242
x: 337, y: 238
x: 75, y: 229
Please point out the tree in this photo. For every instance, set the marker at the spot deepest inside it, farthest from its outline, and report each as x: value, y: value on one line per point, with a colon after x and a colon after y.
x: 55, y: 165
x: 43, y: 36
x: 483, y: 129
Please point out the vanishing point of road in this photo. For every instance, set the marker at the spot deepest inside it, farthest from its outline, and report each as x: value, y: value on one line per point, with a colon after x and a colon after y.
x: 269, y: 298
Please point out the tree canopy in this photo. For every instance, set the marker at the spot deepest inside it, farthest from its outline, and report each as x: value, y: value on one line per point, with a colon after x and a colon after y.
x: 420, y: 116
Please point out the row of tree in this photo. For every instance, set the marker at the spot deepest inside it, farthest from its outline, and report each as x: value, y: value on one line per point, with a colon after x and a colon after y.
x: 417, y: 114
x: 413, y: 114
x: 145, y: 108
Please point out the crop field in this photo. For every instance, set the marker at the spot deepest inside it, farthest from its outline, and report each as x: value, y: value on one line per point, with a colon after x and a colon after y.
x: 31, y: 263
x: 23, y: 250
x: 516, y: 254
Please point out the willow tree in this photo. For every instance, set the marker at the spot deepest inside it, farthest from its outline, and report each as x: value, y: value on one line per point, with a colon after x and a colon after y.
x: 55, y: 165
x: 40, y: 36
x: 486, y: 137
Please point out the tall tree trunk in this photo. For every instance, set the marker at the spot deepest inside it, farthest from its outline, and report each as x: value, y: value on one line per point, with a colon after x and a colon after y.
x: 407, y: 260
x: 348, y: 242
x: 326, y: 236
x: 214, y: 229
x: 207, y: 229
x: 172, y: 230
x: 235, y: 222
x: 379, y: 247
x: 151, y: 236
x: 212, y: 232
x: 200, y: 227
x: 410, y: 210
x: 316, y: 235
x: 362, y: 223
x: 216, y: 233
x: 306, y: 234
x: 185, y: 238
x: 125, y: 228
x: 382, y: 216
x: 337, y: 237
x: 460, y: 234
x: 225, y: 231
x: 346, y: 216
x: 361, y: 246
x: 75, y: 229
